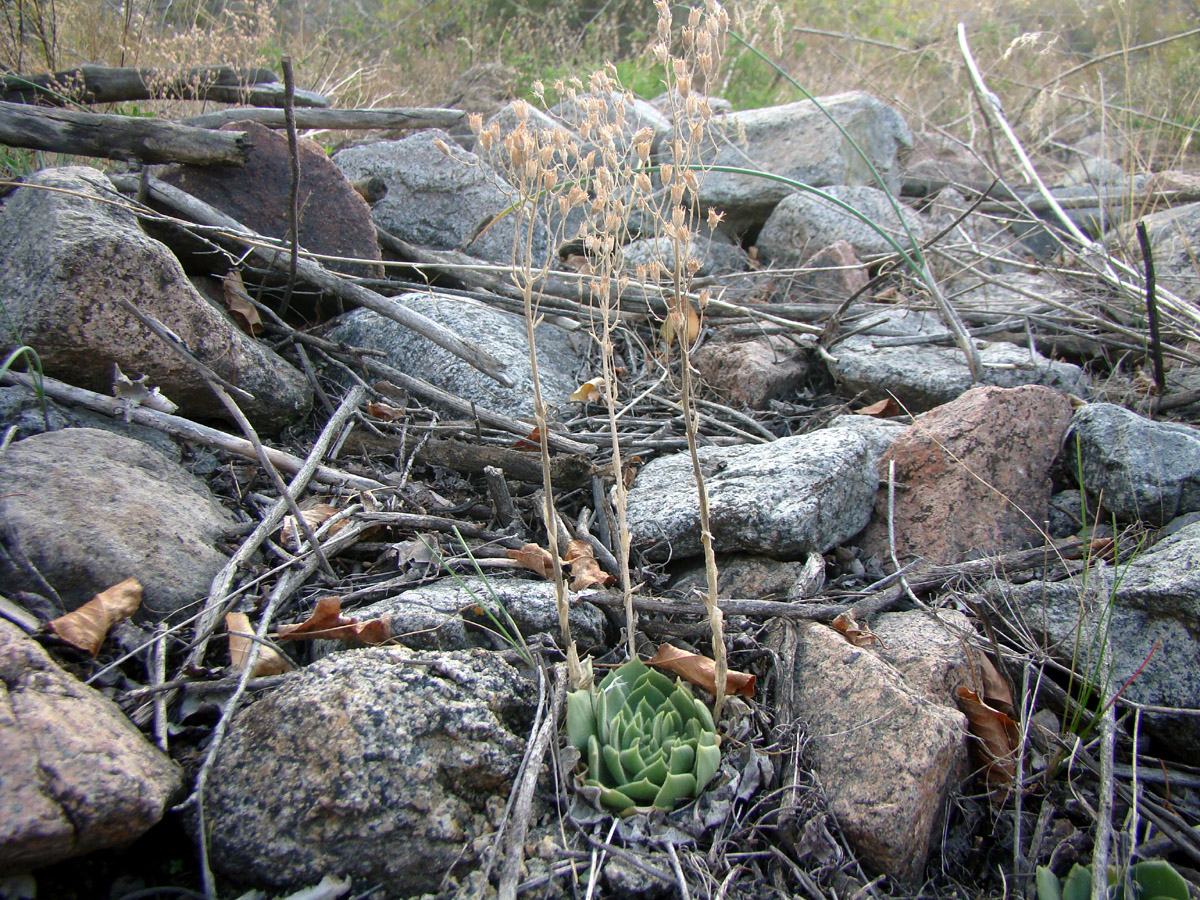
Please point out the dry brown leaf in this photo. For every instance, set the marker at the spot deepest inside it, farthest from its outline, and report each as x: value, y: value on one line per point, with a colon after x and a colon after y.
x: 995, y: 689
x: 385, y: 412
x: 237, y: 301
x: 328, y: 624
x: 241, y: 640
x: 632, y: 466
x: 585, y: 570
x: 884, y: 409
x: 315, y: 514
x: 701, y: 671
x: 531, y: 441
x: 589, y: 391
x: 87, y: 627
x: 534, y: 558
x: 858, y: 635
x: 997, y: 737
x: 671, y: 325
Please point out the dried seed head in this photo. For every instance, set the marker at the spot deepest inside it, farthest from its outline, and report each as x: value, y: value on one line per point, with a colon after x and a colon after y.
x: 641, y: 182
x: 678, y: 188
x: 661, y: 52
x: 475, y: 122
x: 691, y: 180
x: 714, y: 218
x: 442, y: 146
x: 521, y: 109
x: 667, y: 171
x: 640, y: 272
x: 693, y: 17
x: 550, y: 178
x: 539, y: 91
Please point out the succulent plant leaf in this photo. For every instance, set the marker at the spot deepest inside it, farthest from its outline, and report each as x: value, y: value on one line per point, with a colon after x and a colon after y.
x: 581, y: 718
x: 1048, y: 885
x: 1078, y: 885
x: 1157, y: 878
x: 649, y: 743
x: 674, y: 789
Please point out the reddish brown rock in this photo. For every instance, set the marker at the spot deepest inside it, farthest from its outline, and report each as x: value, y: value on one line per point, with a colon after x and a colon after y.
x: 836, y: 273
x: 887, y: 758
x: 972, y: 476
x: 334, y: 219
x: 75, y: 775
x: 748, y: 374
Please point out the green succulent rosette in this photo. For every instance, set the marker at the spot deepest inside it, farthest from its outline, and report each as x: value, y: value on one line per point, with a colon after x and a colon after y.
x: 647, y: 742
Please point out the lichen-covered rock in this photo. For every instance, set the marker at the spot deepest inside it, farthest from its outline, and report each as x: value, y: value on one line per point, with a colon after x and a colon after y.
x: 786, y: 498
x: 75, y: 775
x: 89, y: 509
x: 68, y: 255
x: 386, y: 764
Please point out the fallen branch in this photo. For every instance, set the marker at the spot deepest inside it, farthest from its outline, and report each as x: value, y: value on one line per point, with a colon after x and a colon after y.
x: 335, y: 119
x: 106, y: 84
x: 118, y: 137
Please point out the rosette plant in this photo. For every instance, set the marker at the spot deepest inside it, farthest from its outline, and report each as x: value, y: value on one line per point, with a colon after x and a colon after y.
x: 646, y: 741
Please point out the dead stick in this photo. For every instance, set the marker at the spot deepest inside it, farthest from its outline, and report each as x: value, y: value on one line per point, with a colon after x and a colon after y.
x: 289, y: 116
x: 1160, y: 378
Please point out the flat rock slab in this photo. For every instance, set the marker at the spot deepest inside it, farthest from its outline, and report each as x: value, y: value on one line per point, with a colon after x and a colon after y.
x: 69, y: 253
x: 386, y: 765
x: 909, y: 355
x: 334, y: 219
x: 788, y: 498
x: 973, y: 476
x: 1149, y: 608
x: 75, y: 775
x: 1139, y: 469
x: 887, y: 758
x: 89, y: 509
x: 798, y: 141
x: 500, y: 333
x: 445, y: 202
x: 447, y: 615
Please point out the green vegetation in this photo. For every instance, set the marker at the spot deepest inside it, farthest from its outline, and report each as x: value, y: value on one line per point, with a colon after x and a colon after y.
x: 1150, y: 880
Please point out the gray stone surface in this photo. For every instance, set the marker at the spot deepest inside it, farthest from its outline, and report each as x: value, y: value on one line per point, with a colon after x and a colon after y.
x: 878, y: 364
x: 798, y: 141
x: 1154, y: 597
x: 500, y: 333
x: 75, y: 775
x: 887, y: 758
x: 878, y: 433
x: 66, y: 258
x: 713, y: 255
x: 1174, y: 235
x: 1138, y: 468
x: 445, y: 615
x: 804, y: 223
x: 388, y: 765
x: 89, y: 509
x: 443, y: 202
x: 790, y: 497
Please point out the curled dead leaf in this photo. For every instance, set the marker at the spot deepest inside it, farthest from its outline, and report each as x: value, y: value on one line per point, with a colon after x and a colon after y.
x: 316, y: 514
x: 385, y: 412
x: 585, y: 570
x: 531, y: 442
x: 589, y: 391
x: 673, y: 325
x: 884, y: 409
x: 701, y: 671
x: 997, y: 737
x: 87, y: 627
x: 237, y: 301
x: 241, y: 640
x: 328, y: 624
x: 858, y: 635
x: 534, y: 558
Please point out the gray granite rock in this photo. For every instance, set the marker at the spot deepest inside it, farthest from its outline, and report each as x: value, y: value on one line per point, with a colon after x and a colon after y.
x: 387, y: 765
x: 500, y: 333
x: 1138, y: 468
x: 889, y: 359
x: 804, y: 223
x: 75, y: 775
x: 447, y: 615
x: 441, y: 201
x: 89, y: 509
x: 798, y: 141
x: 1154, y: 598
x: 68, y: 256
x: 787, y: 498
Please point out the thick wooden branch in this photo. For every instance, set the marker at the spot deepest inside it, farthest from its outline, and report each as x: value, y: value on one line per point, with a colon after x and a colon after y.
x: 117, y: 137
x: 105, y: 84
x: 340, y: 119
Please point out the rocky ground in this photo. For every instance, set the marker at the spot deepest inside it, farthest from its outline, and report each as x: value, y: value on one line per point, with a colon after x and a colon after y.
x: 962, y: 571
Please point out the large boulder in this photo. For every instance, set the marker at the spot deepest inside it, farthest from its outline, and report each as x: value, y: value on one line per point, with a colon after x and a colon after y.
x: 800, y: 142
x: 69, y: 254
x: 88, y: 509
x: 75, y: 775
x: 387, y: 765
x: 786, y: 498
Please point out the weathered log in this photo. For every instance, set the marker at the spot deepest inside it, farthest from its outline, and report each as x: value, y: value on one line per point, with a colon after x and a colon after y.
x: 118, y: 137
x: 105, y: 84
x: 343, y: 119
